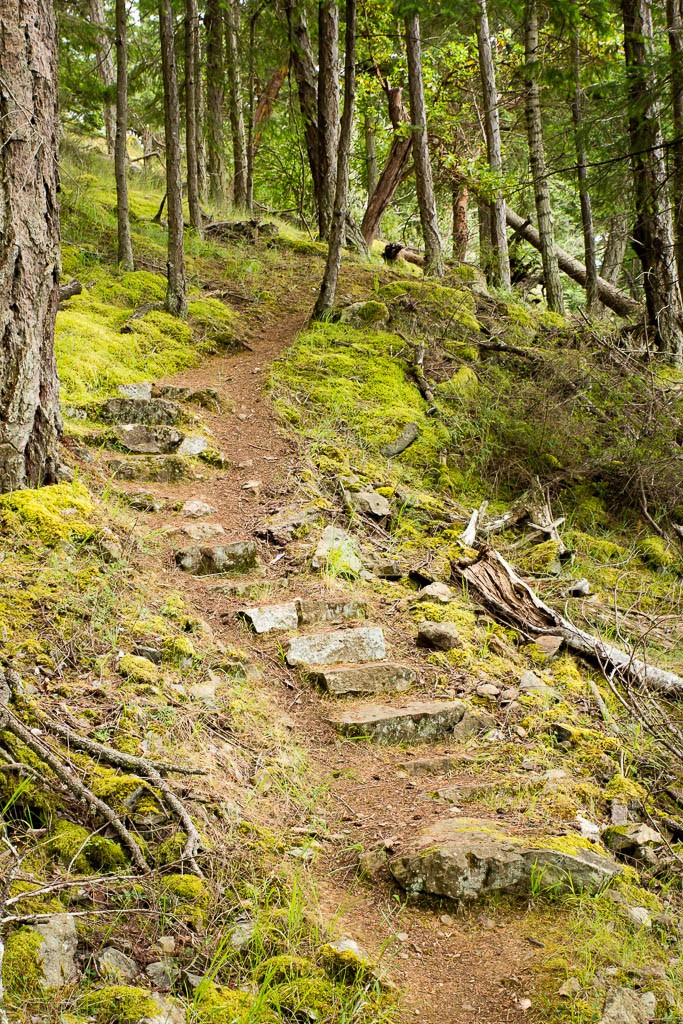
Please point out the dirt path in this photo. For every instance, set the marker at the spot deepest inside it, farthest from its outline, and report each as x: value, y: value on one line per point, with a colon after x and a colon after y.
x: 455, y: 967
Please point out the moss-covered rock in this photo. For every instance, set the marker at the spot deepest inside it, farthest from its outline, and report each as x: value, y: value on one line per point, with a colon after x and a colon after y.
x: 219, y: 1005
x: 60, y: 512
x: 119, y: 1004
x: 21, y: 970
x: 84, y: 852
x: 188, y: 896
x: 138, y: 670
x: 656, y: 553
x: 285, y: 967
x: 178, y: 650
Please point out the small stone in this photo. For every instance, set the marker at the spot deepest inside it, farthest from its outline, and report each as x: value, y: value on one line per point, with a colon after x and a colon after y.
x: 117, y: 967
x: 624, y: 1006
x: 144, y: 502
x: 441, y: 636
x: 193, y: 446
x: 488, y: 690
x: 282, y: 528
x: 402, y: 936
x: 441, y: 593
x: 270, y: 617
x: 579, y: 588
x: 252, y: 485
x: 164, y: 469
x: 447, y: 920
x: 571, y: 987
x: 555, y: 775
x: 640, y: 916
x: 148, y: 440
x: 162, y: 974
x: 386, y: 568
x: 336, y: 553
x: 634, y: 840
x: 247, y: 464
x: 370, y: 503
x: 618, y: 813
x: 530, y: 683
x: 364, y: 643
x: 194, y: 509
x: 372, y: 862
x: 152, y: 654
x: 547, y: 646
x: 588, y: 828
x: 168, y: 1011
x: 225, y: 558
x: 141, y: 391
x: 201, y: 532
x: 167, y: 944
x: 242, y: 934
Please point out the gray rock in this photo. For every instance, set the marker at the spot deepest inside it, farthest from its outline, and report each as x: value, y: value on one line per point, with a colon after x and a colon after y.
x: 530, y: 683
x: 639, y: 916
x: 169, y: 1011
x: 467, y: 859
x: 208, y: 398
x: 148, y: 440
x: 364, y: 643
x: 142, y: 391
x: 440, y: 636
x: 152, y: 654
x: 329, y: 610
x: 281, y: 528
x: 387, y: 568
x: 634, y: 840
x: 142, y: 501
x: 624, y: 1006
x: 364, y: 313
x: 242, y: 934
x: 57, y: 954
x: 269, y: 617
x: 336, y: 553
x: 417, y: 722
x: 356, y: 680
x: 369, y: 503
x: 116, y: 966
x: 440, y: 593
x: 152, y: 411
x: 194, y: 509
x: 201, y: 532
x: 204, y: 561
x: 164, y: 469
x: 193, y: 446
x: 162, y: 974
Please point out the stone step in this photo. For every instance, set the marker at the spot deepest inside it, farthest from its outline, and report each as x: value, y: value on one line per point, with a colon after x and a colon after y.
x: 163, y: 469
x: 271, y: 617
x: 210, y: 559
x: 359, y: 645
x: 417, y: 722
x: 151, y: 411
x: 469, y: 859
x: 357, y: 680
x: 148, y: 440
x: 301, y: 612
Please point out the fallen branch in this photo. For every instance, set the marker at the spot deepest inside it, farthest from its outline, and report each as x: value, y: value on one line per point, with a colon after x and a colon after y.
x: 418, y: 374
x: 408, y: 435
x: 67, y: 291
x: 510, y: 600
x: 147, y: 307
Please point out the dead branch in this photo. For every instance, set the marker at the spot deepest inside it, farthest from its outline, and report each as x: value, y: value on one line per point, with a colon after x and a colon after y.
x: 67, y: 291
x: 143, y: 310
x: 408, y: 435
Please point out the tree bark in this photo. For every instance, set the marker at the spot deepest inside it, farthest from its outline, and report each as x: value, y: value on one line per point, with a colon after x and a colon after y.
x: 264, y: 107
x: 328, y: 287
x: 499, y: 264
x: 582, y: 175
x: 423, y: 169
x: 251, y: 85
x: 461, y: 234
x: 615, y: 248
x: 303, y: 65
x: 674, y: 18
x: 653, y: 231
x: 176, y: 292
x: 485, y: 227
x: 191, y: 89
x: 30, y: 423
x: 200, y: 114
x: 610, y: 296
x: 215, y: 141
x: 125, y: 245
x: 328, y: 110
x: 551, y: 273
x: 371, y: 161
x: 239, y: 138
x: 394, y: 168
x: 105, y: 69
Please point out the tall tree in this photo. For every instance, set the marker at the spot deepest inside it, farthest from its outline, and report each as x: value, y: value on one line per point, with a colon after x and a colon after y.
x: 215, y: 141
x: 394, y: 168
x: 328, y: 110
x: 582, y: 174
x: 303, y: 66
x: 461, y: 234
x: 239, y: 138
x: 105, y: 69
x: 30, y: 422
x: 653, y: 231
x: 499, y: 264
x: 176, y: 291
x: 191, y: 132
x: 423, y: 169
x: 125, y: 245
x: 534, y: 125
x: 674, y: 18
x: 328, y: 288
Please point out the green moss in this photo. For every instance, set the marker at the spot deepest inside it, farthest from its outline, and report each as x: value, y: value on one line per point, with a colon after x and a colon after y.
x: 60, y: 512
x: 21, y: 970
x: 282, y: 968
x: 171, y: 850
x: 344, y: 964
x: 656, y: 553
x: 138, y: 670
x: 212, y: 321
x: 178, y: 650
x: 598, y: 548
x: 75, y: 846
x: 314, y: 997
x: 218, y: 1005
x: 542, y: 558
x: 119, y: 1004
x: 621, y: 788
x: 189, y: 898
x: 463, y: 384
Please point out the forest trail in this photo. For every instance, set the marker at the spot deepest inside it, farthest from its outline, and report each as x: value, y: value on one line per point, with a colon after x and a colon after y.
x: 461, y: 967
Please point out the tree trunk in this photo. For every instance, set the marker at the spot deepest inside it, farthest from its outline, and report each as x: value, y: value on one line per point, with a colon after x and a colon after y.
x: 303, y: 65
x: 674, y: 17
x: 551, y: 273
x: 328, y: 110
x: 215, y: 141
x: 125, y: 246
x: 610, y: 296
x: 328, y: 287
x: 461, y: 234
x: 582, y: 174
x: 266, y: 103
x: 394, y: 168
x: 653, y: 231
x: 239, y: 139
x: 176, y: 292
x: 251, y: 149
x: 30, y: 423
x: 499, y: 264
x: 200, y: 114
x: 423, y: 169
x: 485, y: 226
x: 371, y: 161
x: 191, y: 86
x: 615, y: 248
x: 105, y: 69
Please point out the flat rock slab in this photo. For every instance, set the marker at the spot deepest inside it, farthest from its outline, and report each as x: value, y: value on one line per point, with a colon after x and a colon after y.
x: 147, y: 440
x: 336, y: 553
x: 383, y: 677
x: 153, y: 411
x: 208, y: 398
x: 209, y: 559
x: 312, y: 611
x: 272, y: 617
x: 466, y: 859
x: 194, y: 508
x: 201, y: 532
x: 365, y: 643
x: 163, y: 469
x: 418, y: 722
x: 193, y: 445
x: 370, y: 503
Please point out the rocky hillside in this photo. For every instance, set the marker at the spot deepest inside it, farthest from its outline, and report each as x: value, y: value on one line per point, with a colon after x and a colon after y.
x: 294, y: 723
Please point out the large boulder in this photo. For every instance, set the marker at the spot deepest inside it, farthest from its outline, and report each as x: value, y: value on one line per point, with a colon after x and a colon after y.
x: 469, y: 859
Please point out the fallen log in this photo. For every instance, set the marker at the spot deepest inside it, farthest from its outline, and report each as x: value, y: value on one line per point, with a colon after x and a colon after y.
x: 408, y: 436
x: 67, y: 291
x: 511, y: 601
x: 610, y: 296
